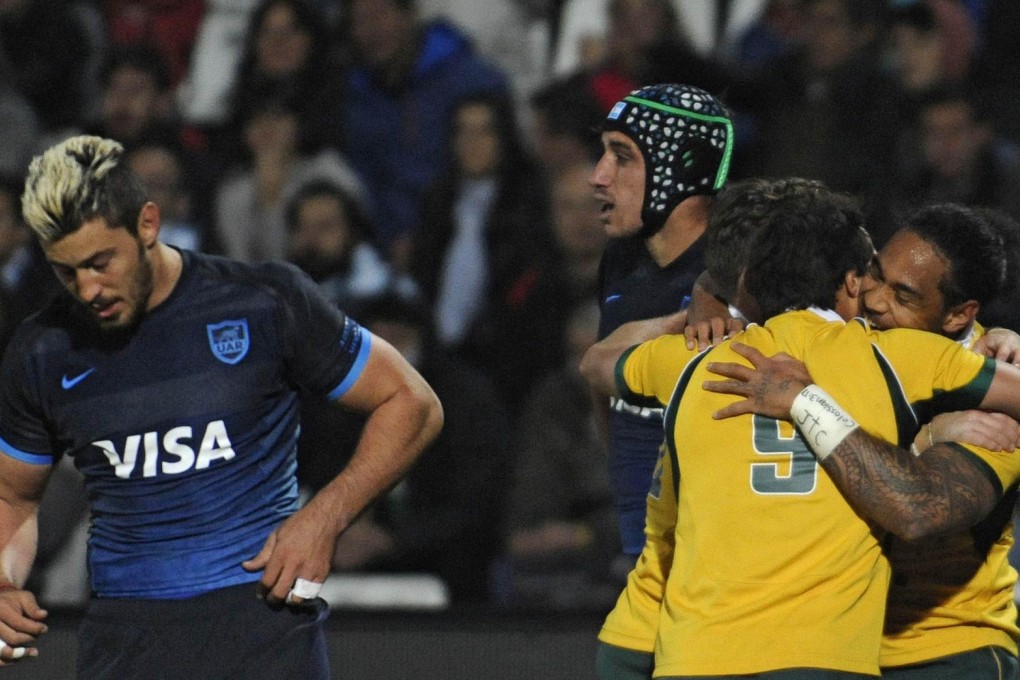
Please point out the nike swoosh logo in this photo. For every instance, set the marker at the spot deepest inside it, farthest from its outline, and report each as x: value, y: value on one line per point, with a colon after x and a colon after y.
x: 611, y: 298
x: 68, y: 383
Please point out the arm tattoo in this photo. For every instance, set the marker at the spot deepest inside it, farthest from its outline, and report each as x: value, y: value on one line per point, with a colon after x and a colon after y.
x: 944, y: 490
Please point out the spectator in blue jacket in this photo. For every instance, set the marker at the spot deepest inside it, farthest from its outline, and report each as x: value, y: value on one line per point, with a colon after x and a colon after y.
x: 406, y: 79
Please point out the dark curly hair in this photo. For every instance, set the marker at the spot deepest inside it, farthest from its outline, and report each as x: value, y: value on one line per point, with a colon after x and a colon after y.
x: 971, y: 245
x: 809, y: 238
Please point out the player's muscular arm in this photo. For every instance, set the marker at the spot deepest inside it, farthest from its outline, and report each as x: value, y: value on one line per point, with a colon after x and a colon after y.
x: 1003, y: 394
x: 944, y: 490
x: 404, y: 417
x: 21, y: 617
x: 20, y: 492
x: 992, y: 431
x: 770, y: 385
x: 598, y: 364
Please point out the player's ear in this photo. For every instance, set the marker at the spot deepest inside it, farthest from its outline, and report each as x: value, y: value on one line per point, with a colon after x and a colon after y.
x: 148, y: 224
x: 959, y: 317
x: 852, y: 284
x: 745, y: 302
x: 847, y: 296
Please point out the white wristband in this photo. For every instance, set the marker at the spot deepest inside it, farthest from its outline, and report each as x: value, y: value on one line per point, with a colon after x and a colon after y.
x: 821, y: 420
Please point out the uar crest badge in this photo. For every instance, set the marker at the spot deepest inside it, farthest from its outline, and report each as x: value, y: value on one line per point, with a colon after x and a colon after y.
x: 229, y: 340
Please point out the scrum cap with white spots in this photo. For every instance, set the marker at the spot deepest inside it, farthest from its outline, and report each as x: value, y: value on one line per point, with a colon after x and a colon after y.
x: 686, y: 137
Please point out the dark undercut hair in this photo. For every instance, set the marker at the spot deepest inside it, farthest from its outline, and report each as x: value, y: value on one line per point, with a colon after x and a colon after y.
x: 810, y: 238
x: 76, y: 181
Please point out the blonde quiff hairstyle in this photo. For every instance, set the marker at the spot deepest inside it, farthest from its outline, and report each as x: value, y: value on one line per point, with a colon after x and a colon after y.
x: 76, y: 181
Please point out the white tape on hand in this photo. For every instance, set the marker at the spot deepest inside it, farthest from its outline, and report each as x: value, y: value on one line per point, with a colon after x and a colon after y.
x: 16, y: 652
x: 305, y: 589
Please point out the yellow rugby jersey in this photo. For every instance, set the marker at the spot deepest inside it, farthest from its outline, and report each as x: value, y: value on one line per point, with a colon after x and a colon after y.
x: 954, y: 593
x: 771, y: 567
x: 634, y: 622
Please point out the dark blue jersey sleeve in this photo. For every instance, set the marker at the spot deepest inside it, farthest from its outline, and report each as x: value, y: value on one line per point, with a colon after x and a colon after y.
x: 23, y: 431
x: 325, y: 351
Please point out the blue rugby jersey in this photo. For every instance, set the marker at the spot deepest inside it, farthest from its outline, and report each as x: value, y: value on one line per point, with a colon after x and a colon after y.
x: 632, y: 287
x: 186, y: 430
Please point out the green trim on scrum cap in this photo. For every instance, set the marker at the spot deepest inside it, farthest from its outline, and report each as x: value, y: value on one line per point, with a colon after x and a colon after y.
x: 724, y: 164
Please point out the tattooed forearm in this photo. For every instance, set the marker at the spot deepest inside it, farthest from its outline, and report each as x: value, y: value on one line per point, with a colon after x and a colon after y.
x: 910, y: 496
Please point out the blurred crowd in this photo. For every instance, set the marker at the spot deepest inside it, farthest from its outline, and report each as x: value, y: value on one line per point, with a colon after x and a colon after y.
x: 427, y: 163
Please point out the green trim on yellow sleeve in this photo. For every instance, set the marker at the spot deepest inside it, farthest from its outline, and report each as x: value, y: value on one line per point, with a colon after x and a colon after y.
x: 963, y: 398
x: 618, y: 372
x: 906, y: 422
x: 624, y: 390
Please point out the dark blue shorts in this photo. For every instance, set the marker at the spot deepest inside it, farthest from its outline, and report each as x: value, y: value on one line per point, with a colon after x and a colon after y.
x: 228, y: 634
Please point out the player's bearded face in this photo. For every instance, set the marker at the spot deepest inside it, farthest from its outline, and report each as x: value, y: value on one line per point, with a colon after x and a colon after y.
x: 107, y: 270
x: 135, y: 297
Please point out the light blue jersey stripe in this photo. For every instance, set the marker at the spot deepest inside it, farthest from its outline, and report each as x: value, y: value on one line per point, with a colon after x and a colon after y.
x: 24, y: 456
x: 356, y: 369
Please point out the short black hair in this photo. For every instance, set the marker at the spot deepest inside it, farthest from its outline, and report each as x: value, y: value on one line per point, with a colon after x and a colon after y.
x: 568, y: 107
x: 972, y: 246
x: 513, y: 149
x: 356, y: 219
x: 141, y: 57
x: 916, y: 15
x: 395, y: 306
x: 12, y: 186
x: 1008, y: 228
